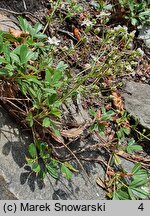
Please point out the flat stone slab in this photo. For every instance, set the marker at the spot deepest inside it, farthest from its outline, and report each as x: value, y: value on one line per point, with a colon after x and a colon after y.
x: 137, y: 101
x: 18, y: 182
x: 8, y: 22
x: 144, y: 34
x: 5, y: 194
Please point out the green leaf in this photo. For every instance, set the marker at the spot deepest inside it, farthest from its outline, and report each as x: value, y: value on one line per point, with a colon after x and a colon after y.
x: 141, y: 174
x: 126, y: 130
x: 116, y: 159
x: 35, y: 31
x: 57, y: 75
x: 55, y: 128
x: 40, y: 36
x: 32, y: 92
x: 38, y: 27
x: 29, y: 161
x: 93, y: 127
x: 119, y: 134
x: 136, y: 168
x: 134, y: 21
x: 108, y: 115
x: 53, y: 163
x: 6, y: 52
x: 145, y: 13
x: 42, y: 173
x: 48, y: 76
x: 36, y: 167
x: 101, y: 128
x: 57, y: 104
x: 61, y: 66
x: 56, y: 112
x: 131, y: 149
x: 43, y: 153
x: 108, y: 7
x: 15, y: 58
x: 131, y: 194
x: 3, y: 72
x: 29, y: 118
x: 25, y: 54
x: 131, y: 5
x: 120, y: 195
x: 66, y: 172
x: 69, y: 166
x: 33, y: 80
x: 49, y: 91
x: 10, y: 69
x: 32, y: 151
x: 52, y: 171
x: 137, y: 183
x: 23, y: 23
x: 131, y: 142
x: 46, y: 122
x: 3, y: 61
x: 92, y: 112
x: 141, y: 193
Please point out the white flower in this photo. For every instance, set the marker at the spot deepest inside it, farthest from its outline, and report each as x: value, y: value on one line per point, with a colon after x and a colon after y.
x: 121, y: 27
x: 87, y: 22
x: 140, y: 51
x: 129, y: 68
x: 133, y: 33
x: 103, y: 14
x: 93, y: 57
x: 53, y: 41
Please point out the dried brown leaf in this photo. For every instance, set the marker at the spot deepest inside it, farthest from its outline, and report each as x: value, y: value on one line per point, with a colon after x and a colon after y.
x: 118, y: 102
x: 120, y: 153
x: 82, y: 16
x: 110, y: 173
x: 58, y: 139
x: 126, y: 175
x: 100, y: 183
x: 98, y: 115
x: 72, y: 133
x: 18, y: 33
x: 76, y: 33
x: 111, y: 136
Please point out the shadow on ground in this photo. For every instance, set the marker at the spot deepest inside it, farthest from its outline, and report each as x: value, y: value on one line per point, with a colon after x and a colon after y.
x: 25, y: 184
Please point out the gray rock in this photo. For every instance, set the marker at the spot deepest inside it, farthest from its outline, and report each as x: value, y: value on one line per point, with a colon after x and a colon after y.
x: 5, y: 194
x: 17, y: 181
x: 22, y: 184
x: 144, y: 34
x: 8, y: 22
x: 137, y: 101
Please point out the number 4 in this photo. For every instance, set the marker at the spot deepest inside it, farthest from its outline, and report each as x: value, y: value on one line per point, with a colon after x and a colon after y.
x: 141, y: 207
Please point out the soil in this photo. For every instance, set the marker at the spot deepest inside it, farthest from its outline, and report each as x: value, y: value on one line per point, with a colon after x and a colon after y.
x: 23, y: 5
